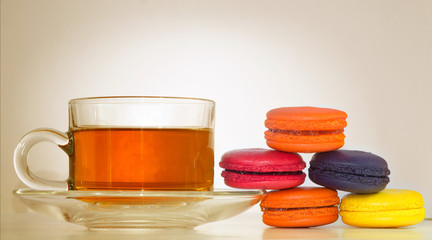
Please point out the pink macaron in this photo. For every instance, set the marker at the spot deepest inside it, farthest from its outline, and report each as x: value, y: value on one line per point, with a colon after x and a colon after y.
x: 256, y: 168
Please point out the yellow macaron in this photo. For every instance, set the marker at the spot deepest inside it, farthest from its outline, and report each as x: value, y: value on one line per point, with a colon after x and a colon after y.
x: 388, y: 208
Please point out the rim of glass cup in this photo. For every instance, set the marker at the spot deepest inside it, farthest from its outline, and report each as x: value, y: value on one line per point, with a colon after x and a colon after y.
x: 139, y: 99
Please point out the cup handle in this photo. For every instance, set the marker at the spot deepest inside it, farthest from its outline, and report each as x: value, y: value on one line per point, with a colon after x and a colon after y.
x: 21, y: 162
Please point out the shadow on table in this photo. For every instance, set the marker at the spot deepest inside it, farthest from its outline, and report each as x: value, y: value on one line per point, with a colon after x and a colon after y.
x: 129, y: 234
x: 382, y: 233
x: 299, y: 233
x: 344, y: 233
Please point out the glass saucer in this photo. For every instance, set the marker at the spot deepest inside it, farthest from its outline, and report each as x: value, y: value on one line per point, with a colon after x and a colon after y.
x: 139, y: 209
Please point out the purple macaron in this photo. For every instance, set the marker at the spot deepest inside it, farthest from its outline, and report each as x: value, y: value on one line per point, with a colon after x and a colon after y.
x: 349, y: 170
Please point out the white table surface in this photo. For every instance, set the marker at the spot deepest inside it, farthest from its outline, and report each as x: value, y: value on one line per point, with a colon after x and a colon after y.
x: 247, y: 225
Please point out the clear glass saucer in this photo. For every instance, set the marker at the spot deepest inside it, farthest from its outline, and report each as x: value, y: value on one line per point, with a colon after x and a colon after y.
x: 139, y: 209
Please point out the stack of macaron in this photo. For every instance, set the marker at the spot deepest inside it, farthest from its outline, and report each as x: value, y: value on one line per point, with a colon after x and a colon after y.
x: 294, y: 130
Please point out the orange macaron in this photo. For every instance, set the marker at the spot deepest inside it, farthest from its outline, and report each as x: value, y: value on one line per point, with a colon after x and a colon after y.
x: 300, y: 207
x: 305, y: 129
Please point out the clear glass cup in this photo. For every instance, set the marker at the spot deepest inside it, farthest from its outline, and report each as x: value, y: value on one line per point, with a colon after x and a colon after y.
x: 130, y: 143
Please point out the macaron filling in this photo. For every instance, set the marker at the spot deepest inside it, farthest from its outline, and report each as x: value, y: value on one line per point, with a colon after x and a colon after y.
x: 361, y: 171
x: 294, y: 209
x: 265, y: 173
x: 308, y: 132
x: 385, y: 213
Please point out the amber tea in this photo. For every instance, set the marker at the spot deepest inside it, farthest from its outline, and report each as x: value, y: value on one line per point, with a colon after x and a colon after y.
x: 130, y: 143
x: 150, y: 159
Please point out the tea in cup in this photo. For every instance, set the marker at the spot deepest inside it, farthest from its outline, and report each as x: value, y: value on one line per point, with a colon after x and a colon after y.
x: 130, y: 143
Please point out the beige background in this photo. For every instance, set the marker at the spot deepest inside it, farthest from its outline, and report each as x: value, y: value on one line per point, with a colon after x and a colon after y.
x: 372, y: 59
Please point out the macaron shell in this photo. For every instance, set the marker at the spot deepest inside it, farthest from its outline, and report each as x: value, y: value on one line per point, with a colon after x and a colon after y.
x: 301, y: 217
x: 304, y: 147
x: 351, y: 161
x: 305, y: 118
x: 306, y: 113
x: 301, y: 197
x: 388, y: 199
x: 348, y: 182
x: 261, y: 160
x: 271, y: 182
x: 393, y: 218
